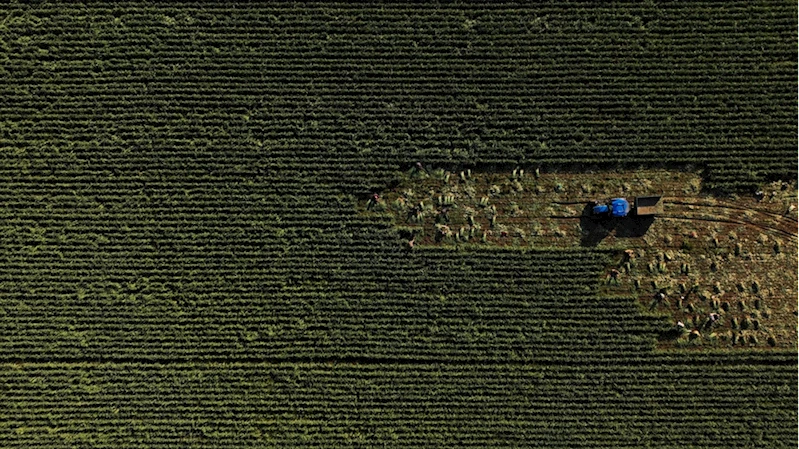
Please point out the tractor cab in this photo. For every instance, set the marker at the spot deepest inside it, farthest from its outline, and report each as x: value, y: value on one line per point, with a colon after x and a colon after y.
x: 619, y: 207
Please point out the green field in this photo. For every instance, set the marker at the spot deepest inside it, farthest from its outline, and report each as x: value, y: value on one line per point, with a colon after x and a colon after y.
x: 185, y: 261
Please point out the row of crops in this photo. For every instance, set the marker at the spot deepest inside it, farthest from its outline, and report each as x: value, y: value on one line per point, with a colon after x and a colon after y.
x: 322, y: 298
x: 658, y: 402
x: 347, y: 93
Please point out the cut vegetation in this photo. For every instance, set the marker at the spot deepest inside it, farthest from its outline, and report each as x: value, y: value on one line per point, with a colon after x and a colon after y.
x: 723, y: 269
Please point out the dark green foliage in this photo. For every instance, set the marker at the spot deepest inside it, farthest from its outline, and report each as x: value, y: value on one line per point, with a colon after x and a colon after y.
x: 182, y: 253
x: 619, y: 403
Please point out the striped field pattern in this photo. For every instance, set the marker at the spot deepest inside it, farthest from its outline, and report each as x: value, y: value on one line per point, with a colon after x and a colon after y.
x: 182, y: 263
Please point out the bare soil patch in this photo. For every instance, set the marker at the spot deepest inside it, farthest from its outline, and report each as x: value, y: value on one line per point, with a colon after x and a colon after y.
x: 724, y: 270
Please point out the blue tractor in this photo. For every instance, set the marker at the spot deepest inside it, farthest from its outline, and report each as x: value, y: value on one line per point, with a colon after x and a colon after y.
x: 619, y: 207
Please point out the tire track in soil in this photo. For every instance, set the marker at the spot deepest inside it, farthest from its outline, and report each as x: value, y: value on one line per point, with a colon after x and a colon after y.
x: 680, y: 201
x: 786, y: 226
x: 728, y: 221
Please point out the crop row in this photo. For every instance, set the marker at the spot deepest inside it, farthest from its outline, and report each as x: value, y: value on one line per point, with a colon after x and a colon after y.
x: 342, y: 94
x: 428, y: 304
x: 659, y: 402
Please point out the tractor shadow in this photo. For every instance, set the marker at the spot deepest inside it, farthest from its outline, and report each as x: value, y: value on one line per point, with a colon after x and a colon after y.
x: 634, y: 226
x: 594, y: 230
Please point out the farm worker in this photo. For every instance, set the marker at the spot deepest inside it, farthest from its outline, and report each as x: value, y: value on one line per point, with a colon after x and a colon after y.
x: 374, y: 199
x: 629, y: 253
x: 614, y: 273
x: 714, y: 317
x: 444, y: 215
x: 680, y: 324
x: 418, y: 168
